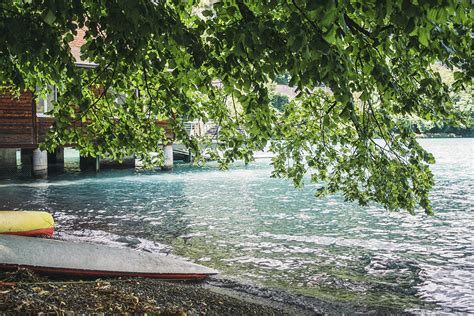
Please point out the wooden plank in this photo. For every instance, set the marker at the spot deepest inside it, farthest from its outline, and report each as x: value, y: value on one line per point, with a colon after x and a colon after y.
x: 7, y: 141
x: 16, y: 120
x: 18, y: 132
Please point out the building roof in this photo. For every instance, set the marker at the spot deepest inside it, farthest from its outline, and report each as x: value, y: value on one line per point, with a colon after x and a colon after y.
x: 75, y: 46
x: 286, y: 90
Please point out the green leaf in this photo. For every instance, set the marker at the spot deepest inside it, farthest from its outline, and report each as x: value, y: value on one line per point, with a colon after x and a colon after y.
x: 207, y: 13
x: 424, y: 36
x: 297, y: 43
x: 231, y: 11
x: 50, y: 17
x: 330, y: 35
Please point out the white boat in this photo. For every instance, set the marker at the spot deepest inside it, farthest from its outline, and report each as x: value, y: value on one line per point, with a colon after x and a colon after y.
x: 85, y: 259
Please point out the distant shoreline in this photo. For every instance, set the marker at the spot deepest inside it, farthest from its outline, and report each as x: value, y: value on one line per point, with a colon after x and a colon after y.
x: 443, y: 135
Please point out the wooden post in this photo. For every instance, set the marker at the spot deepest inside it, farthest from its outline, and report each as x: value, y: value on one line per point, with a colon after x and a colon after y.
x: 8, y: 158
x: 89, y: 163
x: 56, y: 160
x: 26, y: 155
x: 56, y: 157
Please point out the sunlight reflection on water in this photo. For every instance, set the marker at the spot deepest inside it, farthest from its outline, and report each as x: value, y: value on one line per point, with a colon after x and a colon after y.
x: 264, y: 230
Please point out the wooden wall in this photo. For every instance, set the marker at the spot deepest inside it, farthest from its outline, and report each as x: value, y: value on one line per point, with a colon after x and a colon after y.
x: 17, y: 121
x: 20, y: 128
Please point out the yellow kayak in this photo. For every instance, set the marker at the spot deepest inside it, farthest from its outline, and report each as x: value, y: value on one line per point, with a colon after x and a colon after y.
x: 26, y: 223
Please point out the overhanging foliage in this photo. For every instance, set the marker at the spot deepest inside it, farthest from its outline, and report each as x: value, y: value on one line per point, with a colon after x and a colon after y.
x: 162, y: 58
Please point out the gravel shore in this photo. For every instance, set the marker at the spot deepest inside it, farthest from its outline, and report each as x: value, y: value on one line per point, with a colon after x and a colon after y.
x: 24, y: 292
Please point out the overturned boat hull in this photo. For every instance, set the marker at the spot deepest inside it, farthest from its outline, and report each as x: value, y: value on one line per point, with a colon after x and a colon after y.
x: 83, y: 259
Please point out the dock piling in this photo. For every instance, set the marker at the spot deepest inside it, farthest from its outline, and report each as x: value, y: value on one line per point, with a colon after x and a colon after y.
x: 40, y: 162
x: 168, y: 155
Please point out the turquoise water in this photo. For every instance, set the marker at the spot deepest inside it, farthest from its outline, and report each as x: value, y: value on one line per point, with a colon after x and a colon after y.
x: 264, y: 231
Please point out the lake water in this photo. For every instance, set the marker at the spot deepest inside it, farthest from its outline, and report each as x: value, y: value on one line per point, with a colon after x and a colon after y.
x: 263, y: 231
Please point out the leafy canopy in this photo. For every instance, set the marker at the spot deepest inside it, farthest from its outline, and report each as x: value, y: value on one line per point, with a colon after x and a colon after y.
x: 161, y: 59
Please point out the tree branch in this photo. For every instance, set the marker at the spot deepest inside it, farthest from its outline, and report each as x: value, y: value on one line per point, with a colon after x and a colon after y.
x: 305, y: 16
x: 356, y: 27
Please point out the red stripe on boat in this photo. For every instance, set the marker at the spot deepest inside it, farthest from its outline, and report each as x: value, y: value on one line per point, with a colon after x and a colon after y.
x: 80, y: 272
x: 36, y: 232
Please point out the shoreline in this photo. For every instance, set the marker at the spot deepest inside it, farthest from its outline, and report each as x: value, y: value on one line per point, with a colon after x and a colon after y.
x: 25, y: 292
x: 443, y: 135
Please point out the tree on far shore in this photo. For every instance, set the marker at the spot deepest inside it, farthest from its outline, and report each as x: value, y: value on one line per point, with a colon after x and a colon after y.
x: 163, y: 58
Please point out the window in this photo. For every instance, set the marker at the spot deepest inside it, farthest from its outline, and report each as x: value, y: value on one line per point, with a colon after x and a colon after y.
x: 44, y: 105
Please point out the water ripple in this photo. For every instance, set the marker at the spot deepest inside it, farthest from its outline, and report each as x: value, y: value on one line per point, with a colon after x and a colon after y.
x: 264, y: 230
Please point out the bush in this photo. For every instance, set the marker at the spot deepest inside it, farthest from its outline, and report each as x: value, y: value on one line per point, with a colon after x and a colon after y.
x: 282, y: 79
x: 279, y: 101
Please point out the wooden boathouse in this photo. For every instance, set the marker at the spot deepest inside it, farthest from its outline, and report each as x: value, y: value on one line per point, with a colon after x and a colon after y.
x: 23, y: 126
